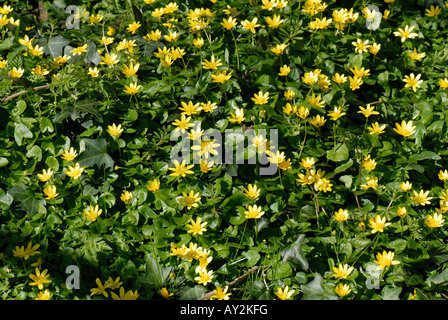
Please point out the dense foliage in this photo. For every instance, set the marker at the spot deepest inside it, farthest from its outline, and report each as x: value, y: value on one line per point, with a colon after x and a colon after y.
x: 347, y: 99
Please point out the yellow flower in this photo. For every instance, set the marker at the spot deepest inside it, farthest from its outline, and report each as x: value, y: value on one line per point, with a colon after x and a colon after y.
x: 402, y: 211
x: 94, y: 72
x: 252, y: 191
x: 238, y: 116
x: 229, y: 23
x: 371, y: 182
x: 212, y: 64
x: 433, y: 11
x: 69, y: 155
x: 279, y: 48
x: 208, y: 106
x: 114, y: 130
x: 181, y: 169
x: 405, y: 129
x: 443, y: 83
x: 221, y: 294
x: 336, y: 113
x: 320, y: 23
x: 318, y: 121
x: 341, y: 215
x: 311, y: 77
x: 95, y: 18
x: 250, y: 25
x: 131, y: 70
x: 100, y: 290
x: 111, y: 31
x: 132, y: 89
x: 153, y: 185
x: 406, y: 33
x: 406, y: 186
x: 79, y: 50
x: 74, y: 172
x: 206, y: 148
x: 375, y: 128
x: 30, y: 250
x: 420, y: 198
x: 92, y: 213
x: 339, y: 78
x: 412, y: 81
x: 361, y: 46
x: 323, y: 184
x: 378, y: 224
x: 206, y: 166
x: 221, y: 76
x: 183, y: 123
x: 386, y: 259
x: 435, y: 221
x: 284, y: 71
x: 342, y: 289
x: 171, y: 37
x: 355, y: 83
x: 275, y: 21
x: 368, y: 111
x: 50, y: 192
x: 196, y: 227
x: 38, y: 70
x: 307, y: 163
x: 126, y: 197
x: 43, y: 295
x: 368, y: 163
x: 375, y: 48
x: 129, y: 295
x: 6, y: 9
x: 204, y: 277
x: 16, y: 73
x: 289, y: 94
x: 260, y: 98
x: 39, y: 279
x: 198, y: 42
x: 254, y: 212
x: 133, y: 26
x: 284, y: 294
x: 360, y: 72
x: 315, y: 101
x: 109, y: 59
x: 45, y: 175
x: 443, y: 175
x: 164, y: 293
x: 415, y: 55
x: 3, y: 63
x: 342, y: 271
x: 36, y: 50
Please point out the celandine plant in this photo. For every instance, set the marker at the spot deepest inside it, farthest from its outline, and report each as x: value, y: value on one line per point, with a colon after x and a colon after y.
x: 256, y: 149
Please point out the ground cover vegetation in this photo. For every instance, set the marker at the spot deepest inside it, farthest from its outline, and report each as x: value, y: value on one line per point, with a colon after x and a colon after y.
x: 93, y: 205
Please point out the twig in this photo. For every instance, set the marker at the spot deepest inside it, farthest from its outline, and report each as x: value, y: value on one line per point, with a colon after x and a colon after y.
x: 210, y: 294
x: 26, y: 91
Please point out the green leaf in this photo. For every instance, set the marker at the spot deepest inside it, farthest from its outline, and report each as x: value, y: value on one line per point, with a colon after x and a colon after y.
x: 55, y: 46
x: 339, y: 153
x: 315, y: 290
x: 252, y: 257
x: 438, y: 278
x: 192, y: 293
x: 20, y: 132
x: 96, y: 154
x: 80, y: 107
x: 391, y: 293
x: 295, y: 253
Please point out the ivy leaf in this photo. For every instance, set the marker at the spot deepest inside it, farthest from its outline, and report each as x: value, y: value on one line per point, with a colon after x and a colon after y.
x: 295, y: 253
x: 96, y: 154
x: 55, y: 46
x: 315, y: 290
